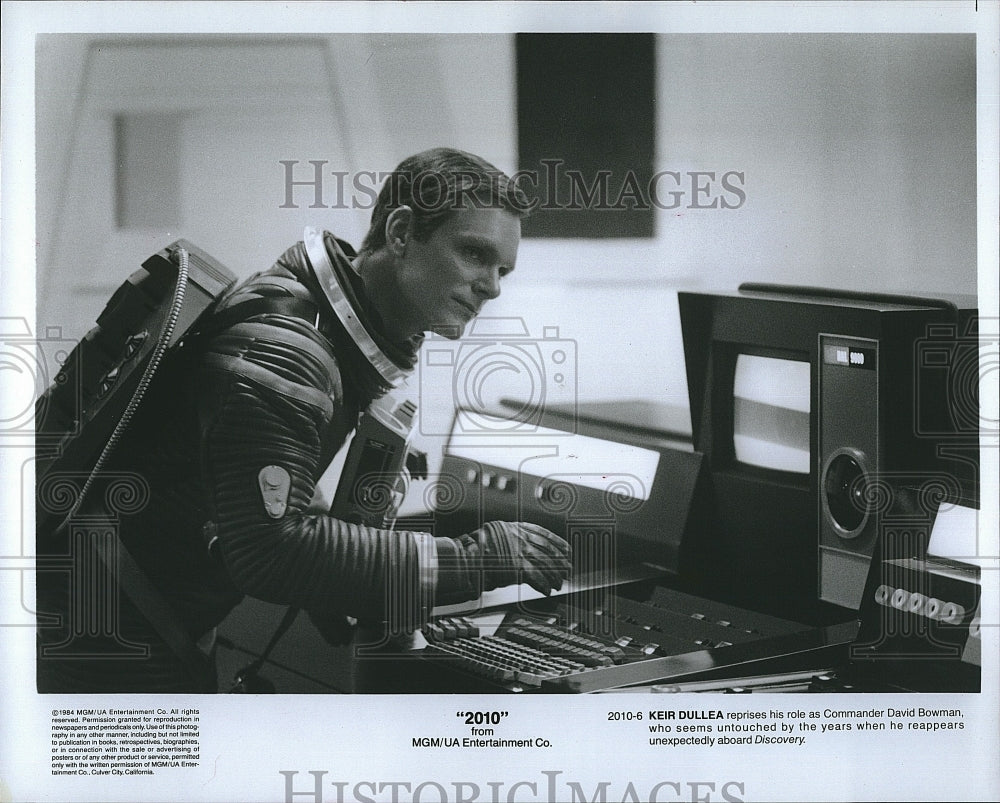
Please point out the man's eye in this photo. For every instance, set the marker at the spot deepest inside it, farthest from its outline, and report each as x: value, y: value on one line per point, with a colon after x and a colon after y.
x: 474, y: 253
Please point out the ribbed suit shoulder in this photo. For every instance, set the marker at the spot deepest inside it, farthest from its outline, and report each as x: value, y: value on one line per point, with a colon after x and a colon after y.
x: 280, y: 353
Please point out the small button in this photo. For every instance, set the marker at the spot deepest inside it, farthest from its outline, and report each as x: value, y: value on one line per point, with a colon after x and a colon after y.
x: 916, y: 603
x: 952, y: 613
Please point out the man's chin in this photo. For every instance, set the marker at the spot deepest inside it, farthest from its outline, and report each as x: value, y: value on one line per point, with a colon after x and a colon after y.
x: 452, y: 331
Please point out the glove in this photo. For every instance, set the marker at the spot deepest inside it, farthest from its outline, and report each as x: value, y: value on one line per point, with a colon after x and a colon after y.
x: 509, y: 552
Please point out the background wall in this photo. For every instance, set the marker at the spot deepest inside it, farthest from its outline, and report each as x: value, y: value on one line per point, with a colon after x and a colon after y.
x: 858, y: 155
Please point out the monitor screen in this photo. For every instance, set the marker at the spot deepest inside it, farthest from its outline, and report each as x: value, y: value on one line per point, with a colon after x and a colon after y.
x: 771, y: 413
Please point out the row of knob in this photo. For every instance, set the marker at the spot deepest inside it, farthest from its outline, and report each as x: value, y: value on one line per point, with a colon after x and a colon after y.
x: 950, y: 613
x: 502, y: 482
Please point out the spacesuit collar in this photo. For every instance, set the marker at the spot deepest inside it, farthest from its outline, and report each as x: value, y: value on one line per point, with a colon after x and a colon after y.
x: 344, y: 292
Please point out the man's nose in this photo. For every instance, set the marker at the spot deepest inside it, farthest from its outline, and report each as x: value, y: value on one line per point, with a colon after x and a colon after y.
x: 488, y: 285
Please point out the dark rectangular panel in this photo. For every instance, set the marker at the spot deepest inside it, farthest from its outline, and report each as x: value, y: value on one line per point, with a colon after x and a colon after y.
x: 586, y: 133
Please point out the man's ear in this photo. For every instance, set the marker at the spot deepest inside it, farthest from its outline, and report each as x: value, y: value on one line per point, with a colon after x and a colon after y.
x: 397, y: 229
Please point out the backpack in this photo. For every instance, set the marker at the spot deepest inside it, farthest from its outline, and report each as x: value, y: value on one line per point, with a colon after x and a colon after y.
x: 82, y: 415
x: 84, y: 412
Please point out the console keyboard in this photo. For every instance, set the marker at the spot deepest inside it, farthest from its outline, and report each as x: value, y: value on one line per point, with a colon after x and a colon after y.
x: 504, y: 661
x: 526, y: 650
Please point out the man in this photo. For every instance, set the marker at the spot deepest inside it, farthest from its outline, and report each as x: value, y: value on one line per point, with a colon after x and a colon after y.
x: 244, y: 419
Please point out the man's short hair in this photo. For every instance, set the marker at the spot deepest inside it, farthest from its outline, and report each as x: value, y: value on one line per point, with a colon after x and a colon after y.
x: 437, y: 183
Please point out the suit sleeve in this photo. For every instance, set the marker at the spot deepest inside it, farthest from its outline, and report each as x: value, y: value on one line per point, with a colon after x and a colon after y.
x: 270, y: 390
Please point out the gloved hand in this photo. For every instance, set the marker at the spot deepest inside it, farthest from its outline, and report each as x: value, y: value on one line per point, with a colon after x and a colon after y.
x: 508, y: 552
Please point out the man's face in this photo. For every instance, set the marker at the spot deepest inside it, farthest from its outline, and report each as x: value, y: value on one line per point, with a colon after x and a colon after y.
x: 444, y: 281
